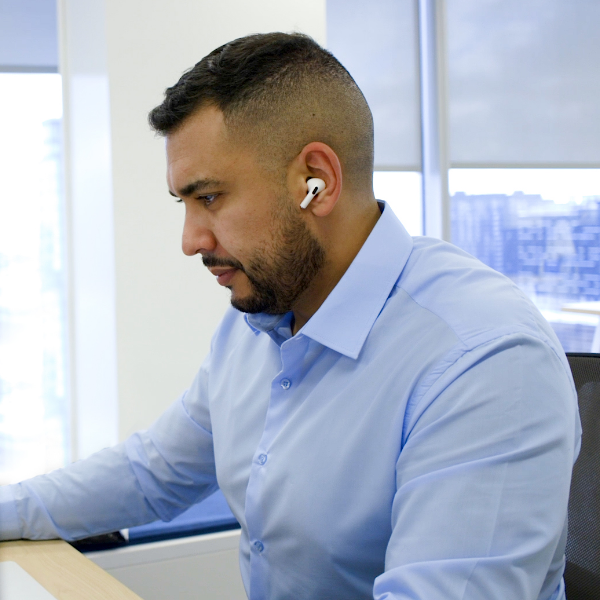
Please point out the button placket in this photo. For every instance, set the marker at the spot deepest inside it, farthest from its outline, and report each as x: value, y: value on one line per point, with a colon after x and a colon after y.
x: 291, y: 354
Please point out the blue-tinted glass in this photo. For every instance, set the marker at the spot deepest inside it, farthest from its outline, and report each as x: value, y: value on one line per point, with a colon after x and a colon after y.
x: 541, y: 228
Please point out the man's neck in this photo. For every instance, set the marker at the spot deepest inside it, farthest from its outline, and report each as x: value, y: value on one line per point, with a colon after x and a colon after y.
x: 344, y: 243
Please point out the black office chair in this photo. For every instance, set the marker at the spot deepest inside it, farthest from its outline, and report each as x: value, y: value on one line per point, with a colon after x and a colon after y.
x: 582, y: 573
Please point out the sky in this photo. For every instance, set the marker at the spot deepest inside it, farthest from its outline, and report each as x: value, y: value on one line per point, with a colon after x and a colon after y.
x: 559, y: 185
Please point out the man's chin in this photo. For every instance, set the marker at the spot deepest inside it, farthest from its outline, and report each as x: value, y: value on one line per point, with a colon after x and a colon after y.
x: 243, y: 296
x: 247, y: 305
x: 253, y: 304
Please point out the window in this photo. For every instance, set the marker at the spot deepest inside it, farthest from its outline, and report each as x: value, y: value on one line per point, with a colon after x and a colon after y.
x: 387, y: 72
x: 507, y: 147
x: 402, y: 191
x: 522, y: 82
x: 541, y: 228
x: 34, y: 399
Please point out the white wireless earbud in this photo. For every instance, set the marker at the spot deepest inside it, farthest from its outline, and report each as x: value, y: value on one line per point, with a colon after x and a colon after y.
x: 315, y: 186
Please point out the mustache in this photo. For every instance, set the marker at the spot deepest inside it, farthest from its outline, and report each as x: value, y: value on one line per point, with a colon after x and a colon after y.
x: 210, y: 260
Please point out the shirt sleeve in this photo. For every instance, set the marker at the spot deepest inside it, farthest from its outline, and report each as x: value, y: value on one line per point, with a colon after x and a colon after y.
x: 9, y: 520
x: 155, y: 474
x: 483, y: 479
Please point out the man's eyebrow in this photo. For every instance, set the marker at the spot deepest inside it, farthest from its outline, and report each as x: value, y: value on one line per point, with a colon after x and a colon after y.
x: 195, y: 187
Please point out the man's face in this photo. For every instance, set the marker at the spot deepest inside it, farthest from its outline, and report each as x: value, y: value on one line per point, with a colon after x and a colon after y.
x: 240, y: 217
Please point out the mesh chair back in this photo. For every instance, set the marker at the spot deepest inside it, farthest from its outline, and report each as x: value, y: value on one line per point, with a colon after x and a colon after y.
x: 582, y: 573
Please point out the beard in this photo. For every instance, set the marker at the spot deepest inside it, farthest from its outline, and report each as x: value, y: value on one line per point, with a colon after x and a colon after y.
x: 281, y: 272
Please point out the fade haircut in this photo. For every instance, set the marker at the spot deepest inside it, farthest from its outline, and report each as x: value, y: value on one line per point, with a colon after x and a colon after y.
x: 278, y: 92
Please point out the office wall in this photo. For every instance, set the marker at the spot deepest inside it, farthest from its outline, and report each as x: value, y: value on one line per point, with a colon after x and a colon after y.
x: 143, y: 313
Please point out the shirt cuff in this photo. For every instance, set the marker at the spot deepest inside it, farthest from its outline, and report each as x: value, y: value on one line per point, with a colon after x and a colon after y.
x: 9, y: 519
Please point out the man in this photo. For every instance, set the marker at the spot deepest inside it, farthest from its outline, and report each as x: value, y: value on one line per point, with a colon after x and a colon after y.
x: 386, y: 416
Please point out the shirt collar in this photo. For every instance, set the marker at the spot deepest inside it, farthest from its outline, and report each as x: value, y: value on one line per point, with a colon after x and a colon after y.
x: 345, y: 319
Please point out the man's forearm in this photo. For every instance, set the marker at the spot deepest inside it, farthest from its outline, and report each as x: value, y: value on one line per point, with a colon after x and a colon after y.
x: 89, y: 497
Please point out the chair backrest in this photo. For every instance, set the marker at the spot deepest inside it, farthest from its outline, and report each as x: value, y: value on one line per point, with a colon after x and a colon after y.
x: 582, y: 573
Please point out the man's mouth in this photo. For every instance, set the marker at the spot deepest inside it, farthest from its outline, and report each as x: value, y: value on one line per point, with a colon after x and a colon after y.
x: 223, y: 274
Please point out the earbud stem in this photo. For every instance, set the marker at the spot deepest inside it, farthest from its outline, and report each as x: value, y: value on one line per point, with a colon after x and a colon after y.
x: 315, y: 187
x: 307, y: 200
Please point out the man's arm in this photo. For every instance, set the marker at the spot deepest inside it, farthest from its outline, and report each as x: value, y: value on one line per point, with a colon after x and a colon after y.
x: 483, y: 479
x: 155, y: 474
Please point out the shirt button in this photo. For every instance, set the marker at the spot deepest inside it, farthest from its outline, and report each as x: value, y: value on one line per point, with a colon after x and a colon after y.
x: 262, y: 459
x: 258, y: 546
x: 285, y: 384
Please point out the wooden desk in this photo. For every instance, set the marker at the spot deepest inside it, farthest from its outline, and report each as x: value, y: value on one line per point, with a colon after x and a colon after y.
x: 64, y: 572
x: 589, y: 308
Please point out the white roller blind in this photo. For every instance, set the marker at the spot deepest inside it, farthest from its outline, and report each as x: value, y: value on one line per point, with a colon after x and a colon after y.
x: 524, y: 82
x: 377, y: 42
x: 28, y: 35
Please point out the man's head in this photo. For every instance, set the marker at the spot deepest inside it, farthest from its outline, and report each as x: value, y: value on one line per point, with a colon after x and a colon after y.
x: 245, y: 129
x: 278, y: 92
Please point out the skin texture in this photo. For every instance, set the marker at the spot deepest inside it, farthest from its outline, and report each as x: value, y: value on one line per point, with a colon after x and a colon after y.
x: 246, y: 221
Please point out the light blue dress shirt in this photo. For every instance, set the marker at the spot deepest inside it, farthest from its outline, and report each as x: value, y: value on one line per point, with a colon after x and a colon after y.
x: 414, y: 440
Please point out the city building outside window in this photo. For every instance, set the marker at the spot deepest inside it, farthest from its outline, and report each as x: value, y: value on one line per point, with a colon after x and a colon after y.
x: 541, y: 228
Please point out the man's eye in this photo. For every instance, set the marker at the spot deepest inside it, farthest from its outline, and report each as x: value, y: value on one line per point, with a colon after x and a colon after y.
x: 208, y: 199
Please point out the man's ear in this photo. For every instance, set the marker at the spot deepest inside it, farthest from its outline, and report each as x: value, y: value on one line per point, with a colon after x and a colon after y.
x: 317, y: 160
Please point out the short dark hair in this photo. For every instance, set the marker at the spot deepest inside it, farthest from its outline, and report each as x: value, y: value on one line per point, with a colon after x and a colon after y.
x: 284, y: 89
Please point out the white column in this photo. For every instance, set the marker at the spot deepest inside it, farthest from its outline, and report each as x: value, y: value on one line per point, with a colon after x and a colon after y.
x: 90, y: 224
x: 156, y: 316
x: 434, y: 122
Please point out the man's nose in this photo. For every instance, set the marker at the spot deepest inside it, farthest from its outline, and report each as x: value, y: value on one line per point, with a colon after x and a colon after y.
x: 197, y: 237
